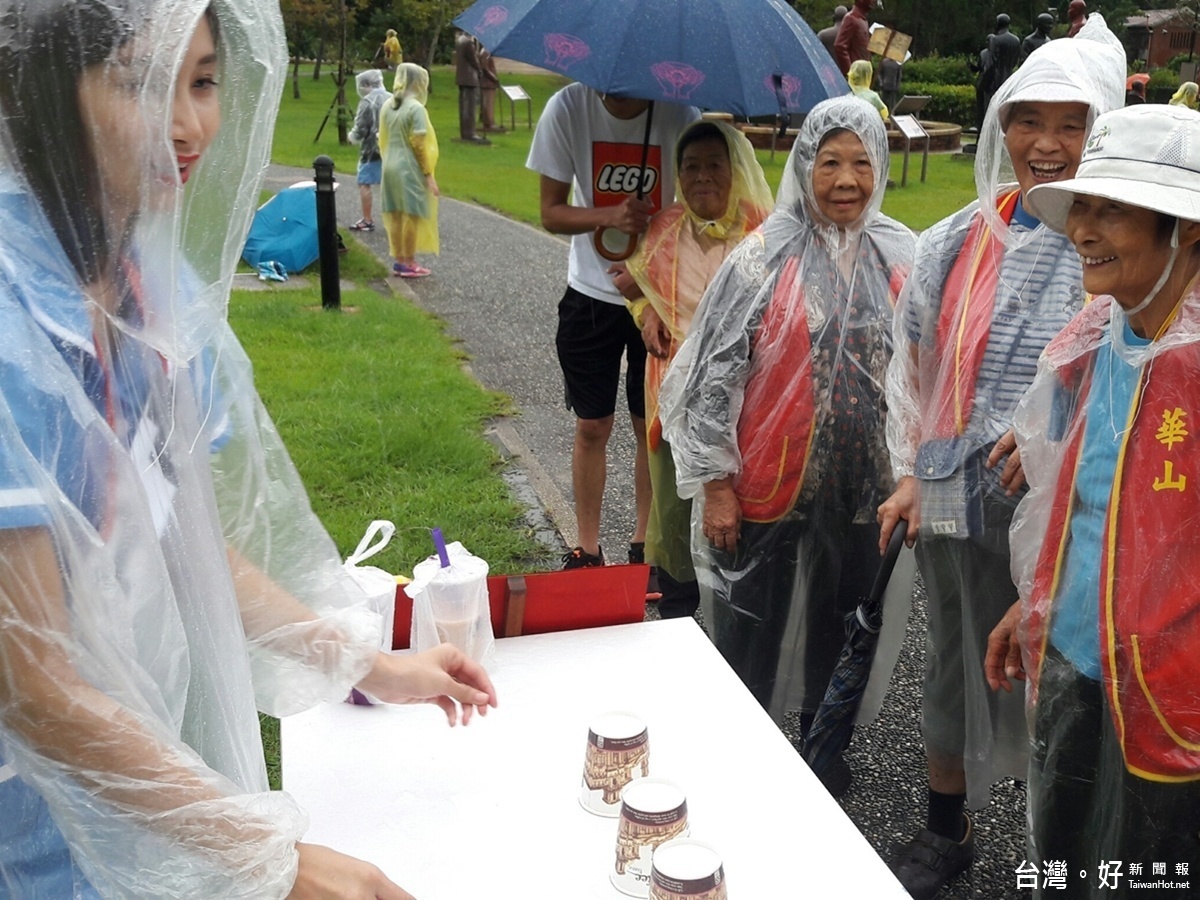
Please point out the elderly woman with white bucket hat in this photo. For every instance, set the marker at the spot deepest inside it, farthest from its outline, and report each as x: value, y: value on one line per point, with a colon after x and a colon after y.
x: 1106, y: 542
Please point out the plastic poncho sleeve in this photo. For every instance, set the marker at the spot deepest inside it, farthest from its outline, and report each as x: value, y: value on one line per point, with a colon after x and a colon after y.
x: 420, y: 149
x: 701, y: 396
x: 364, y: 122
x: 916, y: 314
x: 310, y: 634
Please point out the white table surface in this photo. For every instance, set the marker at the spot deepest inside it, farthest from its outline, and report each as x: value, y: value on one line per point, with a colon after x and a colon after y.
x: 492, y: 810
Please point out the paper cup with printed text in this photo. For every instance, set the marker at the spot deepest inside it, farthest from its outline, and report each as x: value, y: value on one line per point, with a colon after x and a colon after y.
x: 618, y: 751
x: 686, y: 869
x: 653, y: 811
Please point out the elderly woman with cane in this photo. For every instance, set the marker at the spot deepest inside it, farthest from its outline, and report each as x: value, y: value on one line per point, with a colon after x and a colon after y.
x: 774, y: 413
x: 1105, y: 543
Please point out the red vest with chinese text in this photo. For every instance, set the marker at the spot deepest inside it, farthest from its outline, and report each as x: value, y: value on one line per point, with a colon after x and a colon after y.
x: 775, y: 443
x: 1149, y: 601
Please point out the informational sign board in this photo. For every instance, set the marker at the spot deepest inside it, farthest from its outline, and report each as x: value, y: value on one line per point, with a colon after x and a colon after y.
x: 909, y: 127
x: 912, y: 131
x: 911, y: 104
x: 892, y: 44
x: 515, y: 92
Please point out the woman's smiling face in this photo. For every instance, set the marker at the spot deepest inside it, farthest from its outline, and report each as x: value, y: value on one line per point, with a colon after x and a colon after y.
x: 1121, y: 247
x: 114, y: 100
x: 1045, y: 141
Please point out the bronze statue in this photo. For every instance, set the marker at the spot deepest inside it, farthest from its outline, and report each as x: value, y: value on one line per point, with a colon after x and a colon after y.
x: 996, y: 63
x: 1076, y: 16
x: 828, y: 35
x: 1032, y: 41
x: 890, y: 73
x: 854, y: 34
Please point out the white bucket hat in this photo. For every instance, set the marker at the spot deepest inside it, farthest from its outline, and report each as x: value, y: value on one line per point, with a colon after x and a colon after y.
x: 1146, y: 156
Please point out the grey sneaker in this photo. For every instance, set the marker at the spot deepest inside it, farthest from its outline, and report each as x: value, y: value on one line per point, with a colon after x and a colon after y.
x: 928, y: 861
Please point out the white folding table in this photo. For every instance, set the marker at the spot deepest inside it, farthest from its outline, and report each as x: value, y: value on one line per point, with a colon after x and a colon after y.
x: 492, y: 811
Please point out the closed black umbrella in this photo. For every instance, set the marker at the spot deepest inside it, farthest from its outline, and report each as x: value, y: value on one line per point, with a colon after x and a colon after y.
x: 834, y: 721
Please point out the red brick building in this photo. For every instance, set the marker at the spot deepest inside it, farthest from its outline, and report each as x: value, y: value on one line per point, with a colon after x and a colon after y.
x: 1158, y: 35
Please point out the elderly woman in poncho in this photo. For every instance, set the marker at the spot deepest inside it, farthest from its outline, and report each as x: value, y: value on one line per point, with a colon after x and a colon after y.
x: 774, y: 412
x: 992, y: 286
x: 723, y: 197
x: 1105, y: 544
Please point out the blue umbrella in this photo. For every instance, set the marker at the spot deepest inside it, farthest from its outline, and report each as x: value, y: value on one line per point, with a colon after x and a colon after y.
x: 746, y: 57
x: 284, y: 230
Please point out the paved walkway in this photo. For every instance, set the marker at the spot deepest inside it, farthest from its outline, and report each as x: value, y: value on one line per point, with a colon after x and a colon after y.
x: 496, y: 284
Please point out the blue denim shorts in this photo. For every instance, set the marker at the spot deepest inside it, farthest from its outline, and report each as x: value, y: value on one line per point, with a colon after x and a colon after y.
x: 370, y: 172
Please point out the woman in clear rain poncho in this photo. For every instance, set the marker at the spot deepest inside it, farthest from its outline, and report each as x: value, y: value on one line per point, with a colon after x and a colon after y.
x: 723, y: 197
x: 161, y: 571
x: 410, y: 156
x: 991, y: 287
x: 775, y: 415
x: 1105, y: 544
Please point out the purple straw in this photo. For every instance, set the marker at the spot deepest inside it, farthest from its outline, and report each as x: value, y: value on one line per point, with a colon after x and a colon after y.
x: 439, y: 542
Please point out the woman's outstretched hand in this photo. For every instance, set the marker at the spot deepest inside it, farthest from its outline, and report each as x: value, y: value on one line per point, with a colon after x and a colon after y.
x: 444, y: 676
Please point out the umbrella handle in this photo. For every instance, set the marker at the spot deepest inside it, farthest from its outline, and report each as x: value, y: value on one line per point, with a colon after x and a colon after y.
x: 614, y: 245
x: 884, y: 575
x: 895, y: 545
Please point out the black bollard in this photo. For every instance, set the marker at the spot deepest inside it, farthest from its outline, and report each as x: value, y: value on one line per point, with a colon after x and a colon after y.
x: 327, y: 236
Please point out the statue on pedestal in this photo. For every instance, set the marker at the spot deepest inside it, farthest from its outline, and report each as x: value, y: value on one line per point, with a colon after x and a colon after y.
x: 996, y: 63
x: 853, y: 36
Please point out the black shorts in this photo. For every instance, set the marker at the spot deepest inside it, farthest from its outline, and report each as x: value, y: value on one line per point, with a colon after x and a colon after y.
x: 592, y: 337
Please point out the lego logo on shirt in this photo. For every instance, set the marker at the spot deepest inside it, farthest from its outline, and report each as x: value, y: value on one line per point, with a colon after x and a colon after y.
x: 615, y: 171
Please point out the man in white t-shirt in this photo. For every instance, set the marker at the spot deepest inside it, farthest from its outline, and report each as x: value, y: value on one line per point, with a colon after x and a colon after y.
x: 592, y: 142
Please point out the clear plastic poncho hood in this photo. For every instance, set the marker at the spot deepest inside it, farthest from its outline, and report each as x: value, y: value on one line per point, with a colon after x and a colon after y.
x: 84, y: 176
x: 161, y: 571
x: 1088, y: 68
x: 784, y: 364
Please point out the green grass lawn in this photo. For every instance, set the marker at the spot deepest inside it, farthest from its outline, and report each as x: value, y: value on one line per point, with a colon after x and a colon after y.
x: 382, y: 421
x: 496, y: 176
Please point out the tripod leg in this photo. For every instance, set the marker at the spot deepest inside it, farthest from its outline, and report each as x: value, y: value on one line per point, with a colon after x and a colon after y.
x: 328, y: 113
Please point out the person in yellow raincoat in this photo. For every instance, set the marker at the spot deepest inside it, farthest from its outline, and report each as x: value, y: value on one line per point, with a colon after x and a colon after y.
x: 1187, y: 95
x: 392, y: 54
x: 723, y: 197
x: 861, y: 74
x: 410, y: 155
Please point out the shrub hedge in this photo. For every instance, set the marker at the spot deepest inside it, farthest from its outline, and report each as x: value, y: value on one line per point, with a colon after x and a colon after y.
x: 948, y: 102
x: 934, y: 69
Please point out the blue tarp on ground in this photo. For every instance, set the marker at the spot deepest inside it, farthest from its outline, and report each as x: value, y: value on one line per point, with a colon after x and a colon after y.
x: 285, y: 230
